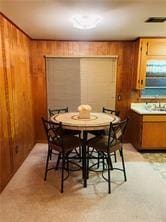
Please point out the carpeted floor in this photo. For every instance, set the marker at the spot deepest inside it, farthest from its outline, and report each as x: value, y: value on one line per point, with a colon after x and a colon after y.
x: 158, y: 161
x: 27, y: 198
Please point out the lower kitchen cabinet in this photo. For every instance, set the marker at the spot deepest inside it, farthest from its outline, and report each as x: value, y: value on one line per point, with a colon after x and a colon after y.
x: 147, y: 132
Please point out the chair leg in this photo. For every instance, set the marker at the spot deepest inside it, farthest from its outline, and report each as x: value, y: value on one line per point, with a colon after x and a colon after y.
x: 109, y: 162
x: 51, y: 155
x: 88, y: 156
x: 62, y: 176
x: 123, y: 164
x: 80, y: 153
x: 115, y: 156
x: 98, y: 160
x: 47, y: 161
x: 57, y: 164
x: 80, y: 148
x: 111, y: 166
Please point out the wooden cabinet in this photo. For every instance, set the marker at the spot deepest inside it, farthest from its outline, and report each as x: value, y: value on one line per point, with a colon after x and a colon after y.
x: 140, y: 71
x: 156, y: 47
x: 147, y: 132
x: 147, y: 49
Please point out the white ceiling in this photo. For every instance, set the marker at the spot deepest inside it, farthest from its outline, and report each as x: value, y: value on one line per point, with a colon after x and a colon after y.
x: 122, y: 20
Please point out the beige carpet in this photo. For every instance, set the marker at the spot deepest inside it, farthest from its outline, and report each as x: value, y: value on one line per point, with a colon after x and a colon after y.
x: 27, y: 198
x: 157, y: 160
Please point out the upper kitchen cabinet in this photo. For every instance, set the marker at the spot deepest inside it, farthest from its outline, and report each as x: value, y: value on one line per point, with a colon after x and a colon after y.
x: 156, y: 47
x: 145, y: 50
x: 140, y: 61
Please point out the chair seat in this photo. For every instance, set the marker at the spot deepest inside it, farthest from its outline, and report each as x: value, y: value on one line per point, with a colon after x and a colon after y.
x: 100, y: 143
x: 69, y: 143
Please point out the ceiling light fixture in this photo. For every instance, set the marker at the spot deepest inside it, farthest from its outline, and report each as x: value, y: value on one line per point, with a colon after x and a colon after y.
x: 86, y: 21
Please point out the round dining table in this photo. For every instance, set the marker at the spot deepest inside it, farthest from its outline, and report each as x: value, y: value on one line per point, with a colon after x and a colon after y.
x: 97, y: 121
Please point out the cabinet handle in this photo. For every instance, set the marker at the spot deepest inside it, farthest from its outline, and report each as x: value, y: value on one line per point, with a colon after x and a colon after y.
x: 119, y: 97
x: 142, y: 81
x: 147, y: 48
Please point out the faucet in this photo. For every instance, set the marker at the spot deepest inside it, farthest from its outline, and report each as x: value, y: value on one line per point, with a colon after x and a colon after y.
x: 158, y: 101
x: 159, y: 104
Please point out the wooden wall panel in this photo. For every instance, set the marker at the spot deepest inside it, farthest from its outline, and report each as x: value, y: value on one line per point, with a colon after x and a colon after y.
x: 16, y: 98
x: 6, y: 159
x: 39, y: 49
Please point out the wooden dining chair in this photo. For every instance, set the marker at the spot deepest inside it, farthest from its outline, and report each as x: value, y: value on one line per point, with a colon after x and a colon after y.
x: 60, y: 142
x: 105, y: 145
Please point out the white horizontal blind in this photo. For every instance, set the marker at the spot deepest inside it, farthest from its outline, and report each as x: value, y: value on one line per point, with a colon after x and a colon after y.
x: 98, y: 82
x: 75, y: 81
x: 63, y: 83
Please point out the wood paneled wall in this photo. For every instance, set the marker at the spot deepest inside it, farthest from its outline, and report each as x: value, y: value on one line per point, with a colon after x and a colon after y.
x: 5, y: 146
x: 16, y: 114
x: 39, y: 49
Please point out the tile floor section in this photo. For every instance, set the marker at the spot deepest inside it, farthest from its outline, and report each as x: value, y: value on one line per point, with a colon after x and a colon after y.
x: 158, y: 162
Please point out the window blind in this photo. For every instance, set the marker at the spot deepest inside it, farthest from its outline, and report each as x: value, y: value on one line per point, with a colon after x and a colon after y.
x: 75, y: 81
x: 98, y: 82
x: 63, y: 83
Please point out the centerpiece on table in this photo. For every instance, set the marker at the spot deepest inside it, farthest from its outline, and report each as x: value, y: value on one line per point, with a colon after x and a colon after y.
x: 84, y: 111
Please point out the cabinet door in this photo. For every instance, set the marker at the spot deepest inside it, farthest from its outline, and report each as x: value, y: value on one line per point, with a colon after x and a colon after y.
x: 147, y: 49
x: 141, y: 64
x: 156, y: 47
x: 154, y: 135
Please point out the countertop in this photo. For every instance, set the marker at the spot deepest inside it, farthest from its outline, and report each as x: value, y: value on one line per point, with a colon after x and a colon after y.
x: 143, y: 108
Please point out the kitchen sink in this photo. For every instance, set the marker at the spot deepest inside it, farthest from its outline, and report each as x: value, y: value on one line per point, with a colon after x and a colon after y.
x: 154, y: 107
x: 158, y: 109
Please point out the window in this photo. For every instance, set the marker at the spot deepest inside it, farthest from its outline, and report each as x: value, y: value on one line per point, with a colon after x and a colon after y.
x: 75, y: 81
x: 155, y: 79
